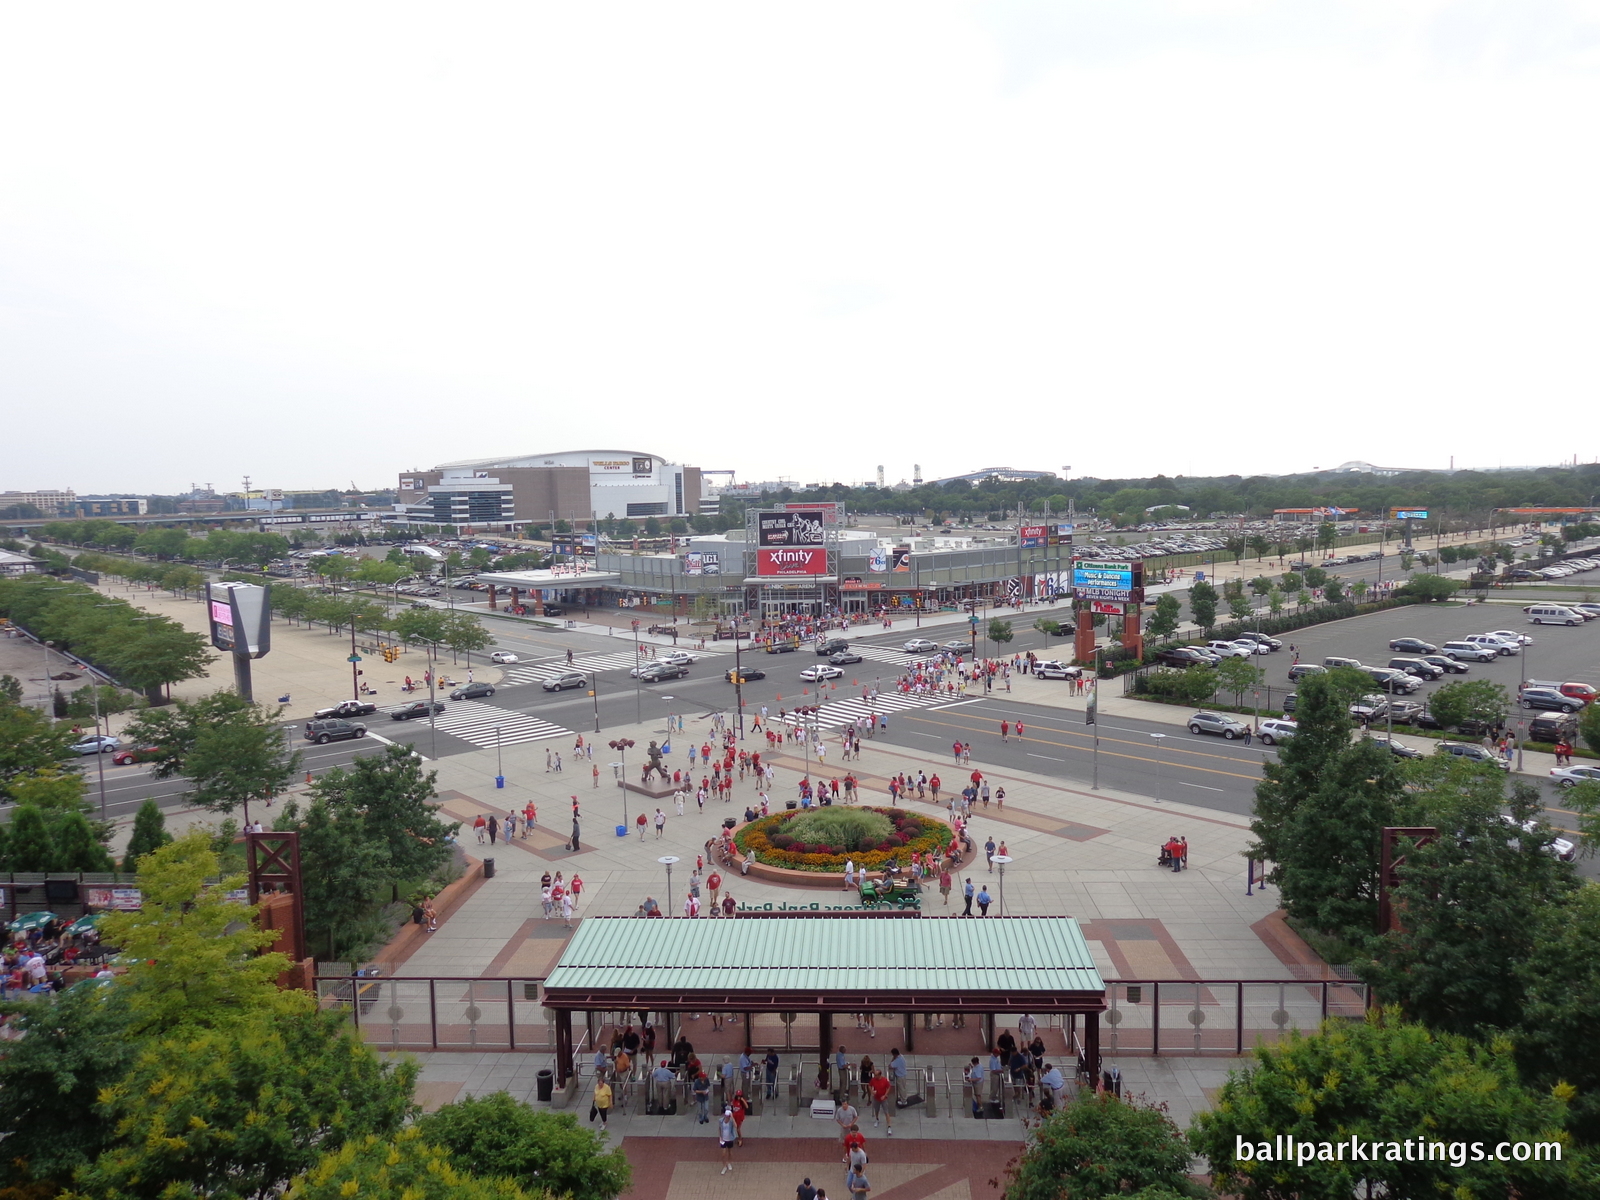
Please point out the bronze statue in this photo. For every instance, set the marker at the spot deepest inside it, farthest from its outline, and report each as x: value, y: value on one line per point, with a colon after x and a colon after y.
x: 654, y: 755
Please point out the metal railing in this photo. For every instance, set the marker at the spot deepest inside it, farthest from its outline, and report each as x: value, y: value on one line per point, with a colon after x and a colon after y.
x: 409, y: 1012
x: 1220, y: 1016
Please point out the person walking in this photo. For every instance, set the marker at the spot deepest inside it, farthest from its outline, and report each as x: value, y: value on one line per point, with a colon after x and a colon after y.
x: 845, y: 1115
x: 494, y: 828
x: 641, y: 825
x: 984, y: 901
x: 944, y: 885
x: 701, y: 1090
x: 881, y: 1108
x: 967, y: 893
x: 727, y: 1133
x: 856, y: 1183
x: 988, y: 853
x: 480, y: 826
x: 574, y: 842
x: 661, y: 823
x: 602, y: 1100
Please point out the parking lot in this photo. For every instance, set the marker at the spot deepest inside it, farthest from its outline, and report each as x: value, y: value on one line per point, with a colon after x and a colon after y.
x: 1557, y: 653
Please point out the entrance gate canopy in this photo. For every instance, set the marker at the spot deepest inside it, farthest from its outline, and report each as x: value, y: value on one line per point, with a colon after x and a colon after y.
x: 838, y: 964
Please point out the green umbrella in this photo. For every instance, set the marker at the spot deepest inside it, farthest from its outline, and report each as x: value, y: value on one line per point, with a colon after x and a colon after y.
x: 84, y: 923
x: 33, y: 920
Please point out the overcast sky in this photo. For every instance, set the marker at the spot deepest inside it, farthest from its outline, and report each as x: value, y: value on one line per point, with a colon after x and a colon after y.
x: 320, y: 243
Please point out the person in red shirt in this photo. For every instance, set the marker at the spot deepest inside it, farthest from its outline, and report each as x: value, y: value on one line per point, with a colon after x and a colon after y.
x: 1005, y: 730
x: 853, y: 1139
x: 933, y: 786
x: 880, y: 1101
x: 713, y: 885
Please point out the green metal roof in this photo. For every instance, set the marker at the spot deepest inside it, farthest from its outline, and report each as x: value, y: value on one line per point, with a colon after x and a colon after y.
x: 1032, y: 957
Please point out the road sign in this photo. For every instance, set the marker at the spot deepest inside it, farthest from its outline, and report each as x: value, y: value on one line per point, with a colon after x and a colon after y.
x: 354, y: 658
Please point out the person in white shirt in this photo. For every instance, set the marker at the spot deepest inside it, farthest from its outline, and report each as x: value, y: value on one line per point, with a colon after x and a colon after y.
x: 1027, y: 1026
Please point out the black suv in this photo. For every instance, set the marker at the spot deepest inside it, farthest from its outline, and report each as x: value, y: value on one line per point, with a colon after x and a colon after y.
x: 417, y: 708
x: 831, y: 646
x: 1553, y: 727
x: 1181, y: 656
x: 323, y: 732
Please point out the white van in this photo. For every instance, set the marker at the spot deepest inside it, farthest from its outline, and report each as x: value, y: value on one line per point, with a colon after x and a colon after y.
x: 1552, y: 614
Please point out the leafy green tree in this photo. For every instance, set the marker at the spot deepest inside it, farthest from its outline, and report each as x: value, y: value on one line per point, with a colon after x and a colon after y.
x: 1236, y: 547
x: 1191, y: 685
x: 231, y: 751
x: 1203, y: 605
x: 1455, y: 704
x: 1275, y: 601
x: 194, y: 955
x: 1327, y: 536
x: 533, y: 1148
x: 1163, y: 622
x: 1358, y: 590
x: 1291, y: 582
x: 1323, y: 730
x: 1238, y: 675
x: 1315, y: 577
x: 343, y: 871
x: 1098, y: 1146
x: 1472, y: 901
x: 999, y: 631
x: 1385, y: 1081
x: 1331, y: 843
x: 182, y: 580
x: 1047, y: 626
x: 1261, y: 585
x: 28, y: 844
x: 1238, y: 606
x: 1259, y: 544
x: 1555, y: 1041
x: 1432, y: 588
x: 405, y: 1167
x: 76, y: 846
x: 10, y: 689
x: 149, y: 834
x: 1334, y: 590
x: 52, y: 1076
x: 464, y: 633
x: 240, y: 1111
x: 152, y: 655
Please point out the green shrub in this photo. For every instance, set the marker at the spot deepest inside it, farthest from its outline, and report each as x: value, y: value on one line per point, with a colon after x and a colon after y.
x: 846, y: 828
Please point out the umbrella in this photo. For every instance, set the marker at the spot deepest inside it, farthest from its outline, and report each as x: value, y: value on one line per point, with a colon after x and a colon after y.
x: 84, y: 923
x: 33, y: 920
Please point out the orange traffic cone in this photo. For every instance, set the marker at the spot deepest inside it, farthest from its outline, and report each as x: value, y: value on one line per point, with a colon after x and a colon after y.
x: 308, y: 776
x: 805, y: 691
x: 855, y: 683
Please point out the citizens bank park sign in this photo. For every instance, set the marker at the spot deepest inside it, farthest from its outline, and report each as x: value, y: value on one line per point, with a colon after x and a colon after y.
x: 799, y: 560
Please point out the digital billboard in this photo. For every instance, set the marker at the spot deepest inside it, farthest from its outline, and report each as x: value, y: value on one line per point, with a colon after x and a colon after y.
x: 790, y: 527
x: 1410, y: 514
x: 1108, y: 580
x: 798, y: 560
x: 1032, y: 535
x: 240, y: 620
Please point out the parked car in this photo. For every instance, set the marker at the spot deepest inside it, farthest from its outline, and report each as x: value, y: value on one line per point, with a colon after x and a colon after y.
x: 1301, y: 670
x: 1413, y: 645
x: 1289, y: 701
x: 472, y: 691
x: 1181, y: 656
x: 1554, y: 614
x: 1397, y: 682
x: 567, y: 679
x: 134, y: 754
x: 1567, y: 777
x: 1274, y: 730
x: 821, y: 671
x: 747, y: 674
x: 1499, y: 645
x: 1271, y: 643
x: 1446, y: 664
x: 95, y: 744
x: 843, y: 658
x: 1548, y: 699
x: 323, y: 732
x: 1399, y: 750
x: 1217, y: 723
x: 1231, y: 649
x: 1472, y: 752
x: 1553, y: 727
x: 1469, y: 651
x: 920, y: 646
x: 503, y: 656
x: 1049, y: 668
x: 1512, y: 636
x: 345, y: 708
x: 415, y: 709
x: 1420, y: 667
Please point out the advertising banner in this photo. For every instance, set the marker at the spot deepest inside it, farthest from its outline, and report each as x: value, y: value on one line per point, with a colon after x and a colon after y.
x: 122, y: 899
x: 1122, y: 581
x: 712, y: 563
x: 799, y: 560
x: 1410, y: 514
x: 878, y: 560
x: 901, y: 559
x: 1032, y: 535
x: 829, y: 510
x: 694, y: 563
x: 1109, y: 607
x: 789, y: 527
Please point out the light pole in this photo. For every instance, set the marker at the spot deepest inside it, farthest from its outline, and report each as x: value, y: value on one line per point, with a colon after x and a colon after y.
x: 638, y: 697
x: 594, y: 693
x: 499, y: 766
x: 622, y: 746
x: 1159, y: 738
x: 667, y: 860
x: 1000, y: 860
x: 1091, y: 716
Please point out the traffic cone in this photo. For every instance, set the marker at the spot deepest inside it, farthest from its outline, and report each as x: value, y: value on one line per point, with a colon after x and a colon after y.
x: 308, y: 776
x: 780, y: 697
x: 834, y: 685
x: 805, y: 691
x: 855, y: 683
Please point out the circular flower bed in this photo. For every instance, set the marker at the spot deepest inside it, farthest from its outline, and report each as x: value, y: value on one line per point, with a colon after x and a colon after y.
x: 873, y: 837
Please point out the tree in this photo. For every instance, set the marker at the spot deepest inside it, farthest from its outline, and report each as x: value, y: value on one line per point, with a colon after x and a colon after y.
x: 1331, y: 842
x: 10, y: 689
x: 1236, y: 546
x: 1292, y: 582
x: 1098, y: 1145
x: 1238, y: 605
x: 406, y: 1167
x: 999, y: 631
x: 241, y: 1111
x: 1385, y: 1081
x: 1164, y: 621
x: 1323, y: 729
x: 1431, y: 588
x: 534, y: 1148
x: 1048, y: 626
x: 343, y: 870
x: 1471, y: 900
x: 1561, y: 975
x: 1261, y: 585
x: 76, y: 846
x: 1476, y: 700
x: 1259, y: 545
x: 1358, y: 589
x: 29, y: 846
x: 52, y: 1076
x: 151, y: 655
x: 194, y: 955
x: 1327, y: 535
x: 29, y: 742
x: 230, y: 750
x: 1315, y: 577
x: 1203, y: 605
x: 149, y: 834
x: 1238, y: 675
x: 1334, y: 590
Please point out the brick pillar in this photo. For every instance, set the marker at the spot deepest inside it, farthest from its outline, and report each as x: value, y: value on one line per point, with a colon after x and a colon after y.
x: 1083, y: 644
x: 1132, y: 638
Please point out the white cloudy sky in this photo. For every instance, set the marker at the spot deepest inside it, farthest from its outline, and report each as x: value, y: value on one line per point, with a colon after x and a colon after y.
x: 318, y: 243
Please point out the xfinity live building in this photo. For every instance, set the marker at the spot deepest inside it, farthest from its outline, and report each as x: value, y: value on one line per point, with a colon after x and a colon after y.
x: 803, y: 559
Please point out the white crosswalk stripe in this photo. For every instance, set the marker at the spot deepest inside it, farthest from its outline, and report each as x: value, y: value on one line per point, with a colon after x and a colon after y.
x: 486, y: 726
x: 837, y: 713
x: 539, y: 672
x: 886, y: 654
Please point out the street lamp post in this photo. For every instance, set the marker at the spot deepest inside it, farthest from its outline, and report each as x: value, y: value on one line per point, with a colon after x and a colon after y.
x: 1000, y: 860
x: 667, y: 860
x: 622, y: 746
x: 638, y: 697
x: 1158, y: 738
x: 1093, y: 716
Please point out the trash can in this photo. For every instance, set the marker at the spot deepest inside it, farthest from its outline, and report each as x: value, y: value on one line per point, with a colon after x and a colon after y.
x: 622, y: 831
x: 488, y: 868
x: 547, y: 1084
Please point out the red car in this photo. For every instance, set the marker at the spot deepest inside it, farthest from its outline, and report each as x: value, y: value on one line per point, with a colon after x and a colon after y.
x: 134, y: 754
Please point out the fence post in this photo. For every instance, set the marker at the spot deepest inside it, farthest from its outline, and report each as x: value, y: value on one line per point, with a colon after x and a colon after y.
x: 511, y: 1015
x: 433, y: 1011
x: 1238, y: 1016
x: 1155, y: 1015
